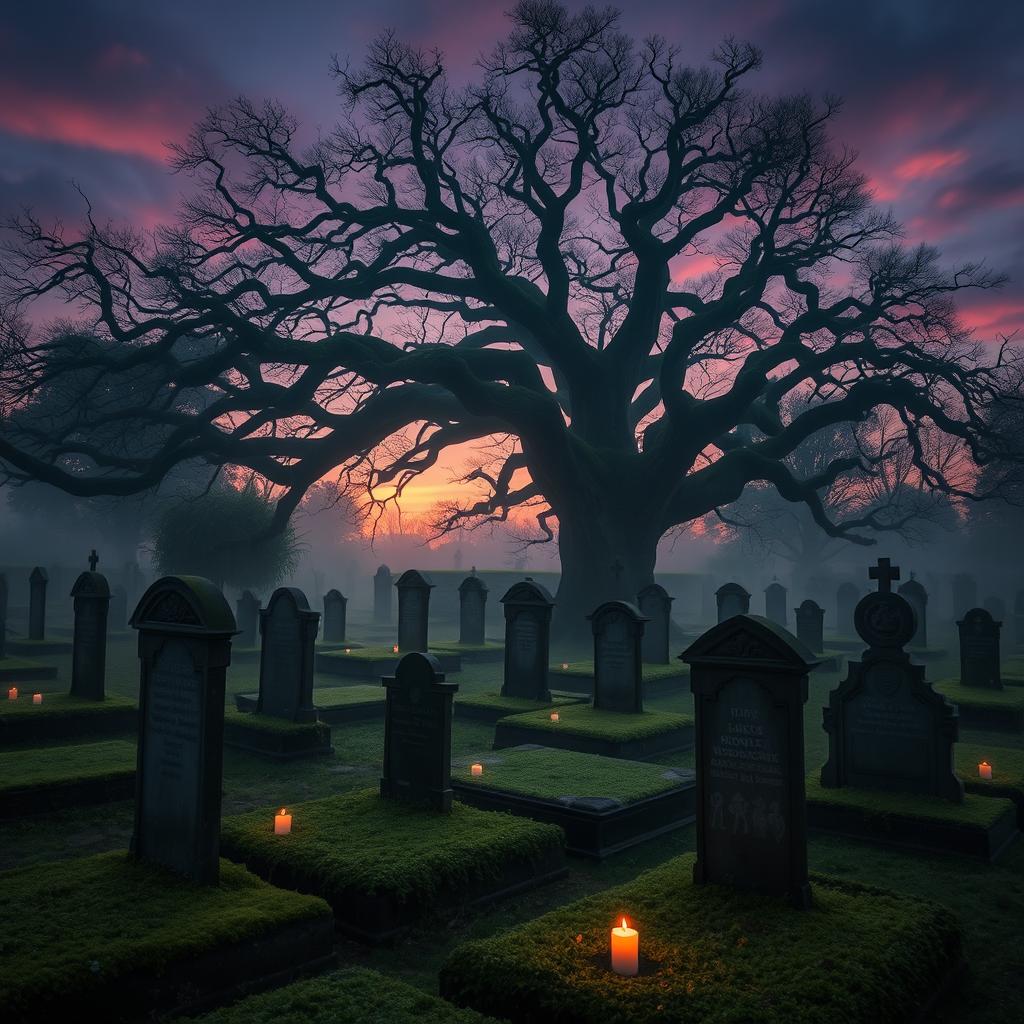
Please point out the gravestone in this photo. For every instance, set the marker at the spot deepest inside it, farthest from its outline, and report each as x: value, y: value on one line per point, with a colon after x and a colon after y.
x: 887, y: 728
x: 118, y: 618
x: 655, y: 605
x: 472, y: 609
x: 749, y: 681
x: 775, y: 603
x: 3, y: 616
x: 418, y: 733
x: 527, y: 606
x: 288, y: 631
x: 965, y: 594
x: 1018, y: 620
x: 996, y: 607
x: 847, y: 596
x: 91, y: 595
x: 810, y: 625
x: 382, y: 594
x: 979, y: 650
x: 37, y: 603
x: 917, y: 597
x: 413, y: 610
x: 732, y: 600
x: 335, y: 612
x: 618, y: 676
x: 248, y: 609
x: 185, y: 628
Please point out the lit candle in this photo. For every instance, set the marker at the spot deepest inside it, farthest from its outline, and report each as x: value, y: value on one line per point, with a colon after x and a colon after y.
x: 625, y: 950
x: 282, y: 823
x: 985, y: 770
x: 12, y: 693
x: 394, y: 648
x: 37, y: 698
x: 476, y: 769
x: 565, y: 665
x: 554, y: 716
x: 348, y: 650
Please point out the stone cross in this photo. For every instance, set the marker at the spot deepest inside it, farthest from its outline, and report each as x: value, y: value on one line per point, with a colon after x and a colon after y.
x: 885, y: 573
x: 94, y: 560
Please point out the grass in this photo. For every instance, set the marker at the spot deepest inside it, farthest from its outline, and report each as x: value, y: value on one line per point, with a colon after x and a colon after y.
x: 1007, y: 765
x: 362, y: 841
x: 456, y: 647
x: 37, y: 768
x: 584, y: 720
x: 548, y: 774
x: 510, y: 705
x: 649, y: 670
x: 376, y: 653
x: 268, y: 723
x: 346, y: 696
x: 11, y: 662
x: 71, y: 930
x: 58, y: 705
x: 716, y: 957
x: 982, y: 697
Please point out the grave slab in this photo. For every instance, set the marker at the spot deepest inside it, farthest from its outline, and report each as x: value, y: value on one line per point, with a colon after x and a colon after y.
x: 276, y: 738
x: 658, y: 680
x: 1007, y: 764
x: 372, y: 662
x: 490, y: 707
x: 335, y: 705
x: 62, y: 716
x: 15, y: 670
x: 986, y: 710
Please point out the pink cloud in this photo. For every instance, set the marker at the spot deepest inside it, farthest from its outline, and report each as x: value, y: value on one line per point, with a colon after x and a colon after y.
x: 994, y: 317
x: 929, y: 164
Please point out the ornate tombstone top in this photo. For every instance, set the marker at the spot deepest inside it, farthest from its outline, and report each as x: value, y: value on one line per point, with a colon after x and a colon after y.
x: 413, y: 578
x: 91, y: 584
x: 472, y: 582
x: 527, y: 591
x: 191, y: 604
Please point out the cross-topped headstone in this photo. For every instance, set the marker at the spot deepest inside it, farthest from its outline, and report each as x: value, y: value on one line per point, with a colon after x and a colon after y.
x: 885, y: 573
x: 91, y: 594
x: 94, y: 560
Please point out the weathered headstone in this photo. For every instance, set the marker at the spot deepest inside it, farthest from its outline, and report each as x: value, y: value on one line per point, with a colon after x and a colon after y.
x: 810, y: 626
x: 732, y: 600
x: 335, y: 613
x: 37, y: 603
x: 3, y: 616
x: 413, y: 610
x: 917, y: 597
x: 618, y: 674
x: 288, y: 631
x: 248, y: 611
x: 979, y: 649
x: 749, y: 682
x: 418, y: 733
x: 527, y: 607
x: 118, y: 618
x: 185, y: 628
x: 996, y: 607
x: 775, y: 603
x: 655, y: 605
x: 965, y: 594
x: 887, y: 728
x: 847, y: 596
x: 382, y: 594
x: 472, y: 609
x: 91, y: 595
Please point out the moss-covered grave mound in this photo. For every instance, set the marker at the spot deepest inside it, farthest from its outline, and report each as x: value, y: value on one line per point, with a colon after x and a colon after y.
x: 62, y: 716
x: 584, y: 720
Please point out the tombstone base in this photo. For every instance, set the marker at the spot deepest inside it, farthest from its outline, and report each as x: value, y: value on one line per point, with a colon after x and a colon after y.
x: 373, y: 662
x: 489, y: 707
x: 658, y: 680
x: 335, y: 705
x: 634, y: 737
x: 831, y: 969
x: 49, y: 648
x: 17, y: 670
x: 377, y: 861
x: 182, y: 947
x: 275, y: 738
x: 978, y: 827
x: 62, y: 716
x: 985, y: 709
x: 617, y: 804
x: 1007, y: 780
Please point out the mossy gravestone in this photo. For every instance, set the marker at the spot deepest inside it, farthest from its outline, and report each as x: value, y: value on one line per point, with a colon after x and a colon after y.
x: 527, y: 607
x: 185, y: 629
x: 979, y: 650
x: 248, y: 608
x: 749, y: 682
x: 37, y: 603
x: 810, y: 626
x: 775, y: 603
x: 656, y: 606
x: 418, y: 733
x: 618, y: 673
x: 847, y: 597
x: 288, y: 631
x: 887, y: 728
x: 91, y: 595
x: 413, y: 610
x: 335, y: 613
x: 917, y: 597
x: 382, y: 594
x: 472, y: 609
x: 732, y: 600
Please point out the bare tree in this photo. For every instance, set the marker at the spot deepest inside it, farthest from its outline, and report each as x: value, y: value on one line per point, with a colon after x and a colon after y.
x: 502, y: 265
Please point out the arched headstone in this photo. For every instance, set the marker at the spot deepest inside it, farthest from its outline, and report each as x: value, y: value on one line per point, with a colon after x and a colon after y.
x: 618, y: 675
x: 775, y: 603
x: 91, y: 595
x: 732, y: 600
x: 472, y: 609
x: 527, y: 607
x: 413, y: 610
x: 655, y: 605
x: 288, y: 631
x: 979, y: 650
x: 810, y: 623
x: 382, y: 594
x: 335, y: 613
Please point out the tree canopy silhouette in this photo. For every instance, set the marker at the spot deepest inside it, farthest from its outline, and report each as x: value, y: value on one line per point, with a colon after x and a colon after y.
x: 506, y: 264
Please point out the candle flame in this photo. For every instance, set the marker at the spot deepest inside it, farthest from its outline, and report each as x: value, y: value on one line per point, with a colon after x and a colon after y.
x: 624, y: 924
x: 283, y: 810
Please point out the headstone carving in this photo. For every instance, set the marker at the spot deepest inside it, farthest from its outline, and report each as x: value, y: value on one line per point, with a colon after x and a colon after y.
x: 749, y: 681
x: 847, y: 596
x: 887, y: 728
x: 382, y: 594
x: 418, y: 733
x: 185, y: 628
x: 775, y: 603
x: 618, y: 674
x: 917, y: 597
x: 472, y: 609
x: 655, y: 605
x: 413, y: 610
x: 335, y: 614
x: 979, y: 650
x: 527, y: 606
x: 91, y: 595
x: 965, y: 594
x: 810, y: 623
x: 3, y: 616
x: 288, y: 631
x: 37, y: 603
x: 248, y: 609
x: 732, y: 600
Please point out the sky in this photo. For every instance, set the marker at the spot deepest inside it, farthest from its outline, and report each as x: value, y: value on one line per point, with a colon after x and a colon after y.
x: 91, y: 90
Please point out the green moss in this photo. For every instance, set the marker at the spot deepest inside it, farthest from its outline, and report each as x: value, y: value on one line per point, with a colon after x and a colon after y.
x: 269, y: 724
x: 981, y: 697
x: 584, y: 720
x: 38, y: 767
x: 650, y: 670
x: 455, y: 647
x: 360, y: 654
x: 510, y: 705
x: 58, y: 705
x: 70, y: 928
x: 975, y: 810
x: 718, y: 957
x: 345, y: 696
x: 353, y: 994
x: 374, y: 845
x: 10, y: 664
x: 1007, y: 766
x: 547, y: 774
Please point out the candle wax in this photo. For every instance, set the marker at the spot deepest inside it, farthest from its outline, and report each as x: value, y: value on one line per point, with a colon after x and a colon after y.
x: 985, y: 770
x: 282, y: 823
x: 625, y: 950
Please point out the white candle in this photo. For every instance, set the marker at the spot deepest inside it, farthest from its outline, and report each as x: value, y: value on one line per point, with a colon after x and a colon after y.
x: 476, y: 769
x: 625, y: 950
x: 282, y: 823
